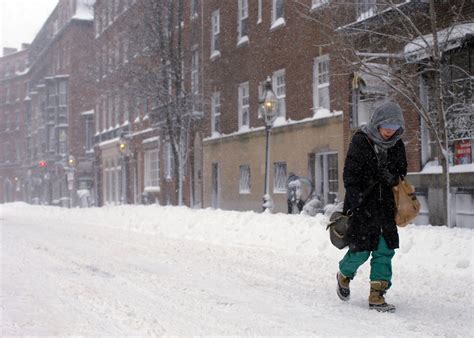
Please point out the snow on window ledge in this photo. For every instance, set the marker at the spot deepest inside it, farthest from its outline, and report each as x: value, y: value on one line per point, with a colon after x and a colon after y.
x: 197, y: 114
x: 279, y: 121
x: 243, y: 40
x: 280, y: 22
x: 366, y: 15
x: 317, y: 6
x: 152, y: 189
x: 433, y: 167
x: 244, y: 192
x: 244, y: 128
x: 321, y: 112
x: 215, y: 54
x: 218, y: 136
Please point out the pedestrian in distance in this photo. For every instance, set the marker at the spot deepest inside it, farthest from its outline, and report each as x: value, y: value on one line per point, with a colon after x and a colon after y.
x: 293, y: 191
x: 375, y: 163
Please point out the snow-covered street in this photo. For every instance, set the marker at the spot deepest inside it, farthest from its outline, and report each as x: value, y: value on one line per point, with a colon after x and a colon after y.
x: 150, y: 270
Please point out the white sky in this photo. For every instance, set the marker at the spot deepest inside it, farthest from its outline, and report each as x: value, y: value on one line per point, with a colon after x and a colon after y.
x: 20, y: 20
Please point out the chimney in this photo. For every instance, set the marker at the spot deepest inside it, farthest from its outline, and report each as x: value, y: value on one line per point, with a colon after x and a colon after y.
x: 8, y: 51
x: 25, y: 46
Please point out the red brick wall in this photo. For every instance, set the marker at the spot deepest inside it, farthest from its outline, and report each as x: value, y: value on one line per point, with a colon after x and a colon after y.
x: 292, y: 47
x: 12, y: 109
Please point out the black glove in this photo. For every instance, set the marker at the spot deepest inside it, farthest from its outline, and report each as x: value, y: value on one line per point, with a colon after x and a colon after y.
x: 386, y: 177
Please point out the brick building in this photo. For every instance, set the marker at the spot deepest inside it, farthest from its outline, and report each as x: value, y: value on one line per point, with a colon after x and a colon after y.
x: 244, y: 43
x: 82, y: 73
x: 392, y: 47
x: 55, y: 109
x: 13, y: 86
x: 118, y: 112
x: 135, y: 161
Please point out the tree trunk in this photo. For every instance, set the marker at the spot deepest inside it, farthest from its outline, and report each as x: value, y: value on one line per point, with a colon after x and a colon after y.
x: 443, y: 145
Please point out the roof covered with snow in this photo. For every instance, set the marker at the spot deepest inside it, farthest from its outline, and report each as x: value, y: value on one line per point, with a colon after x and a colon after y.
x: 448, y: 38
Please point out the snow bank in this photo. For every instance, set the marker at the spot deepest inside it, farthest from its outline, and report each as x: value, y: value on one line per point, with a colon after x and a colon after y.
x: 152, y: 271
x: 433, y: 167
x: 292, y: 233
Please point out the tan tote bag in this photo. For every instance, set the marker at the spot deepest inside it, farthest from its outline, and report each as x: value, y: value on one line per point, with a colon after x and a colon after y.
x: 407, y: 205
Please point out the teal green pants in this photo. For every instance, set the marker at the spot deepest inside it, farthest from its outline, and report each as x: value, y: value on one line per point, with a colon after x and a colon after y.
x: 380, y: 263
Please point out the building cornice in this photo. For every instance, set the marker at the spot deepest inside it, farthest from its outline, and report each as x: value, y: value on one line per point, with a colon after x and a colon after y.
x: 290, y: 126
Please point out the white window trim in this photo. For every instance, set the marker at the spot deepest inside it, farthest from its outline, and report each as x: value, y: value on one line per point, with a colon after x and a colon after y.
x: 88, y: 129
x: 259, y: 14
x: 261, y: 86
x: 215, y: 102
x: 194, y: 9
x: 148, y: 169
x: 195, y: 71
x: 105, y: 186
x: 62, y: 85
x: 215, y: 30
x: 317, y: 86
x: 241, y: 17
x: 244, y: 186
x: 369, y: 92
x: 279, y: 189
x: 168, y: 161
x: 324, y: 175
x: 98, y: 116
x: 372, y: 11
x: 280, y: 97
x: 277, y: 22
x: 242, y: 106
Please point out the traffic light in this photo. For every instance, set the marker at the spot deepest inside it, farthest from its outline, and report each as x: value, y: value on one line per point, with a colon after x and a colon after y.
x: 72, y: 161
x: 42, y: 164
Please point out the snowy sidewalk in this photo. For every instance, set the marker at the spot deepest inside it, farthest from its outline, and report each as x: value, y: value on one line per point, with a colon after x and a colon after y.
x: 149, y: 270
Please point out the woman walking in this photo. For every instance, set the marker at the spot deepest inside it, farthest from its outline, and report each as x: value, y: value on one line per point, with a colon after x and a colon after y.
x: 375, y: 162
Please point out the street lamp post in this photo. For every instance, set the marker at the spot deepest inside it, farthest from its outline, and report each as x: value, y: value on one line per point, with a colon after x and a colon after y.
x: 70, y: 169
x: 123, y: 146
x: 268, y: 105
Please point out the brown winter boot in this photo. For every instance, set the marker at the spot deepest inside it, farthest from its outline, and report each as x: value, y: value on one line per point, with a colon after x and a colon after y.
x: 376, y: 299
x: 343, y: 290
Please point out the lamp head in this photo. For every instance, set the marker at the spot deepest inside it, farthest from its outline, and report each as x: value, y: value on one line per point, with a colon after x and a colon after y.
x: 269, y: 104
x: 123, y: 144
